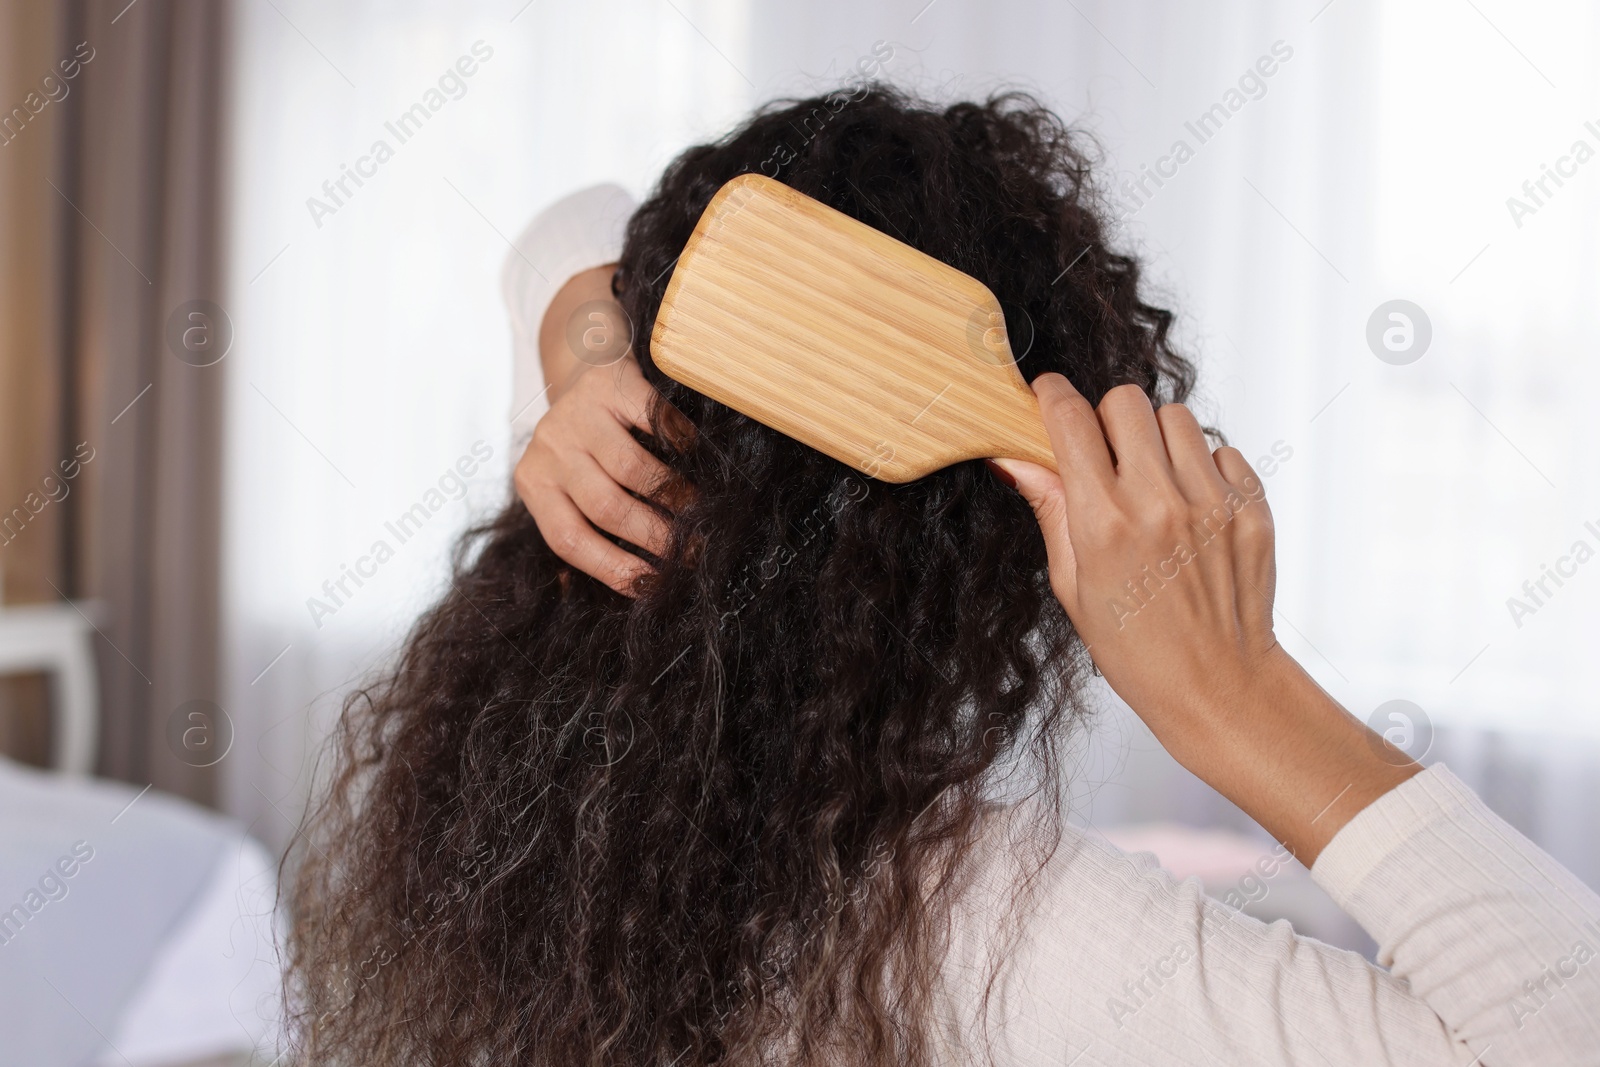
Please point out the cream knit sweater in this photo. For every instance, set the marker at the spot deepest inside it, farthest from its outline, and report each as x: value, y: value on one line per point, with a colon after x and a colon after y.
x: 1492, y: 950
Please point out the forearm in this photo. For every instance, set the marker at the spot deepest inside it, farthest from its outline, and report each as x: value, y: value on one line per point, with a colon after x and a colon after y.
x: 560, y: 371
x: 1287, y: 753
x: 582, y: 312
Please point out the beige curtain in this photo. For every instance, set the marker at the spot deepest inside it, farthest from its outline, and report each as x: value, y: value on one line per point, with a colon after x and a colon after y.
x: 30, y: 402
x: 124, y: 176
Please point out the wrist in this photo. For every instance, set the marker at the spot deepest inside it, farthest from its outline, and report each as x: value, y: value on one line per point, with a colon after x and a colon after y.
x: 1234, y: 703
x: 1291, y: 756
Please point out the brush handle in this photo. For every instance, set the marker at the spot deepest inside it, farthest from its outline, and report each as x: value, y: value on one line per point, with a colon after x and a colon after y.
x: 1028, y: 439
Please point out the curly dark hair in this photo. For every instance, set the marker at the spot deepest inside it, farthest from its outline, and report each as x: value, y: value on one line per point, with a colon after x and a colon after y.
x: 722, y: 822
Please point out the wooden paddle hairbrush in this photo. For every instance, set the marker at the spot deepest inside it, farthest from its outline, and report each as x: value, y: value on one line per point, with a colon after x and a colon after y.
x: 843, y: 338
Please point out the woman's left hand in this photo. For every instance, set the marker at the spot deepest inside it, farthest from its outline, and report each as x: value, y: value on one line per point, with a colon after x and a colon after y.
x: 580, y: 467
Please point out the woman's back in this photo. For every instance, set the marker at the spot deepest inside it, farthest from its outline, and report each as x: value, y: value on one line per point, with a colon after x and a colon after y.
x: 1106, y: 958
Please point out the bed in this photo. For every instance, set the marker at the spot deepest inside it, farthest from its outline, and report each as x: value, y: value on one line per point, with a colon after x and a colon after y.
x: 136, y: 929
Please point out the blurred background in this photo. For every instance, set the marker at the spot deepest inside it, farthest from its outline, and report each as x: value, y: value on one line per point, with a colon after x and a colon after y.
x: 221, y: 375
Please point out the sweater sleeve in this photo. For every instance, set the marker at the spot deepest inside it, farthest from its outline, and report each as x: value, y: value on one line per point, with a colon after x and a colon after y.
x: 1489, y: 931
x: 1105, y: 958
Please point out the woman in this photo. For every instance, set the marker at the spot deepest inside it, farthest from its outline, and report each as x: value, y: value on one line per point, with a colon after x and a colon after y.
x: 783, y: 786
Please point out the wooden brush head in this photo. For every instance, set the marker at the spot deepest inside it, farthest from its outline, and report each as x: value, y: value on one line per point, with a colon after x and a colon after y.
x: 843, y: 338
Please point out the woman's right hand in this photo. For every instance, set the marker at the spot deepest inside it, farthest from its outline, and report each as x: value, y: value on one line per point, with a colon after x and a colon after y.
x: 1161, y: 552
x: 579, y: 467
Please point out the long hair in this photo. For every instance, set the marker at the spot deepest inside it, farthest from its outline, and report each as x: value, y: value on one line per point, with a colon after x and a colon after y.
x: 722, y: 822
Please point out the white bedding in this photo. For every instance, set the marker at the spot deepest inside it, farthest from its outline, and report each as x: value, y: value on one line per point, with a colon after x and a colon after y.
x: 135, y: 928
x: 213, y: 987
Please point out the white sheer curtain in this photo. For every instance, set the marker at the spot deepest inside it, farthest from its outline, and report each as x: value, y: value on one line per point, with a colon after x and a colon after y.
x: 1373, y: 164
x: 372, y: 352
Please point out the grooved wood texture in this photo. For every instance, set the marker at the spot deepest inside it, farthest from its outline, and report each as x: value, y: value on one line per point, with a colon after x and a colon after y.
x: 842, y: 337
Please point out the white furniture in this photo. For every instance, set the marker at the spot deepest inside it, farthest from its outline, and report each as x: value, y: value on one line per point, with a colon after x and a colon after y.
x: 58, y: 639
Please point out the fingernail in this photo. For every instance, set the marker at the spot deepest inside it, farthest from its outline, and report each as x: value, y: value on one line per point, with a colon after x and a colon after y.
x: 1001, y: 473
